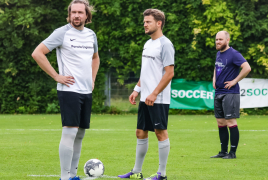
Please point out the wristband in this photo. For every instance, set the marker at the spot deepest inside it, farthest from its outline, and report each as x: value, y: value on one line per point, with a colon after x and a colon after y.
x: 137, y: 88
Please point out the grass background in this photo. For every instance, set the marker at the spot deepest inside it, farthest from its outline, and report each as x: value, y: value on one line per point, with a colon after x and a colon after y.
x: 124, y: 105
x: 29, y: 146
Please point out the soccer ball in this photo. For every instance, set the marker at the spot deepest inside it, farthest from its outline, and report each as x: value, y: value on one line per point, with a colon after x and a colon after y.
x: 94, y: 168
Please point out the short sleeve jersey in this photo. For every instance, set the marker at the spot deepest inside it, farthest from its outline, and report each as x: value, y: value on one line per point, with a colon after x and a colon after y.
x: 156, y: 55
x: 75, y: 50
x: 227, y: 68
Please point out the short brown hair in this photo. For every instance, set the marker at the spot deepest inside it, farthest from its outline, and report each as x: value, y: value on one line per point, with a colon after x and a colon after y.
x: 88, y: 10
x: 157, y: 14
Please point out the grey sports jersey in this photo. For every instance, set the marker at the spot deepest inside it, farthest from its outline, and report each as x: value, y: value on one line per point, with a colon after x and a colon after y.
x: 74, y: 55
x: 156, y: 55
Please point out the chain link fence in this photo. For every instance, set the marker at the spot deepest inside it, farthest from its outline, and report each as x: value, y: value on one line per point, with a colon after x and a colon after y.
x: 117, y: 93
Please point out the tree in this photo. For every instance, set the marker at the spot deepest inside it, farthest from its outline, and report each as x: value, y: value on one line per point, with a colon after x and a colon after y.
x: 190, y: 24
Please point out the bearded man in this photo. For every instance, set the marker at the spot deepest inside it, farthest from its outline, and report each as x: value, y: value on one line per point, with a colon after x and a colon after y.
x: 157, y: 70
x: 78, y: 61
x: 227, y: 93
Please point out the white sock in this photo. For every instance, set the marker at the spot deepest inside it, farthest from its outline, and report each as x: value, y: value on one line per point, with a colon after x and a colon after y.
x: 66, y: 151
x: 164, y: 148
x: 77, y: 151
x: 141, y: 150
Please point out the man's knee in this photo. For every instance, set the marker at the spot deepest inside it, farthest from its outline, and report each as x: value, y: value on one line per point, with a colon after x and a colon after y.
x: 161, y: 134
x: 221, y: 122
x: 231, y: 122
x: 141, y: 134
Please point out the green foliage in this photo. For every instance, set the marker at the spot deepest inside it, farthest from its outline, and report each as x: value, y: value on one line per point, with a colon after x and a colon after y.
x: 254, y: 111
x: 52, y: 108
x: 25, y: 88
x: 190, y: 24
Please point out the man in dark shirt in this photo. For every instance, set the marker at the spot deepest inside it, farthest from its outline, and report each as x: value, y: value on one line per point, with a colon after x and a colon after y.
x: 227, y: 94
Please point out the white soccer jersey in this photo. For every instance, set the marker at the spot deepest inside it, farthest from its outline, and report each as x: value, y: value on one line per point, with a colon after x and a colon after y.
x: 75, y: 49
x: 156, y: 55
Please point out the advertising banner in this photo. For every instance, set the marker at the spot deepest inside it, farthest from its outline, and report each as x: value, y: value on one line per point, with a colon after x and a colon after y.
x: 253, y: 93
x: 198, y: 95
x: 191, y: 95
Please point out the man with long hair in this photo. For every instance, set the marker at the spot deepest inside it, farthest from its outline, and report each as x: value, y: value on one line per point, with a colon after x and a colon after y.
x: 78, y: 62
x: 227, y: 94
x: 155, y: 80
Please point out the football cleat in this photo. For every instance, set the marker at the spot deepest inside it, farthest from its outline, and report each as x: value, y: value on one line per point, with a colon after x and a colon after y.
x: 156, y: 176
x: 220, y: 155
x: 76, y: 178
x: 231, y: 155
x: 132, y: 175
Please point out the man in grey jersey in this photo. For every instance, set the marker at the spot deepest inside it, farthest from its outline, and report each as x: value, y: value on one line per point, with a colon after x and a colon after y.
x: 154, y: 84
x: 78, y: 61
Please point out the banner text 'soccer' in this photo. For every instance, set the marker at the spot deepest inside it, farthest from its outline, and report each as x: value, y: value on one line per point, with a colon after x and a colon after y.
x: 191, y: 94
x: 200, y: 95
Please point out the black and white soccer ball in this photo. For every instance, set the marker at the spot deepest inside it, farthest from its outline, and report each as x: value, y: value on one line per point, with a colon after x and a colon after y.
x: 94, y: 168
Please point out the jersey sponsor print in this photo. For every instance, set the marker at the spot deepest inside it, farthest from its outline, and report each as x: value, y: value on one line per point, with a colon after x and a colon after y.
x: 75, y: 50
x: 227, y: 67
x: 156, y: 55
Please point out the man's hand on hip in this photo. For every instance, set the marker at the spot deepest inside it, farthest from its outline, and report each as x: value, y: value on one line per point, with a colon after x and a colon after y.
x: 229, y: 84
x: 66, y: 80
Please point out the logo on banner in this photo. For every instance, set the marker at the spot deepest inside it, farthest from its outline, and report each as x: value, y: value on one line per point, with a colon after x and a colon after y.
x: 192, y: 94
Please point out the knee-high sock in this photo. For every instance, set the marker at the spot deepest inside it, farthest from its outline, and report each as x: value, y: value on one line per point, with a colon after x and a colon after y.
x: 66, y: 151
x: 77, y: 151
x: 164, y: 148
x: 141, y: 150
x: 224, y: 138
x: 234, y: 137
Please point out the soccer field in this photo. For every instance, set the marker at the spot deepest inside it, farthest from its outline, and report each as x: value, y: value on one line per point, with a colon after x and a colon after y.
x: 29, y: 147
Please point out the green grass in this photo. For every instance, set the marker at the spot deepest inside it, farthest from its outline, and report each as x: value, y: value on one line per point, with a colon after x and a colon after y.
x: 29, y: 146
x: 124, y: 105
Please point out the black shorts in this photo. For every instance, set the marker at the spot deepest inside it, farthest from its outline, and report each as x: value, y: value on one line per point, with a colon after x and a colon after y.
x: 75, y: 109
x: 152, y: 117
x: 227, y: 106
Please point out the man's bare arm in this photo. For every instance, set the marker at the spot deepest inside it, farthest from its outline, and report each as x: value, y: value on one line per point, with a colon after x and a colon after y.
x: 134, y: 94
x: 214, y: 79
x: 95, y: 65
x: 161, y: 86
x: 243, y: 73
x: 39, y: 56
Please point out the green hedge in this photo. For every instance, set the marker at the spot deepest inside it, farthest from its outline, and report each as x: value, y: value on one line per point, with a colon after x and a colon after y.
x: 190, y: 24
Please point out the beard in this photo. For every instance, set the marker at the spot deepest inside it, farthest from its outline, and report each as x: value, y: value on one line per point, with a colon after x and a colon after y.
x: 77, y: 25
x: 151, y: 32
x: 222, y: 47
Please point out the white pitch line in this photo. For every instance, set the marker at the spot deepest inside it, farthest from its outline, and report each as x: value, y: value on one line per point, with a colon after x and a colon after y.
x: 242, y: 130
x: 43, y: 175
x: 61, y: 129
x: 184, y: 130
x: 84, y: 178
x: 104, y: 176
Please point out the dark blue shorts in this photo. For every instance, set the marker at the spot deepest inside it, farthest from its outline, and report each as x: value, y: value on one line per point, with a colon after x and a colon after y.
x: 152, y: 117
x: 75, y: 109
